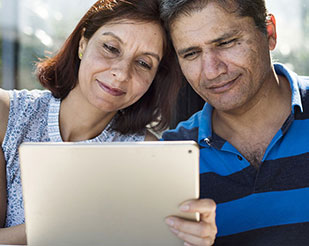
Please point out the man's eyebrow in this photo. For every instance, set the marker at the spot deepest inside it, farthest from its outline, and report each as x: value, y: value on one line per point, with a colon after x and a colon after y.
x: 225, y: 36
x: 113, y: 35
x: 217, y: 40
x: 186, y: 50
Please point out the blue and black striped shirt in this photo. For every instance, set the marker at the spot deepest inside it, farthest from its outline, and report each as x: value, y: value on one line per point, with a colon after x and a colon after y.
x: 265, y: 206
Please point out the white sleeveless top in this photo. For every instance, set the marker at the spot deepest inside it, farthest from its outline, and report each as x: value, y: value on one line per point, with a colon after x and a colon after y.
x: 33, y: 117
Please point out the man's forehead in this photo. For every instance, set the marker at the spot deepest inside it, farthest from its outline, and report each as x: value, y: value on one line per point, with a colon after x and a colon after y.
x: 205, y: 23
x: 229, y: 6
x: 196, y: 31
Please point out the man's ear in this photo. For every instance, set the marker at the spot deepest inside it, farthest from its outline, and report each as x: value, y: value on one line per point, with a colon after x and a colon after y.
x: 82, y: 45
x: 271, y: 31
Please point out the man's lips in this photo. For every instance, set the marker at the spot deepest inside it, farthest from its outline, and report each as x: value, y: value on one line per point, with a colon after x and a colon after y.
x: 223, y: 86
x: 110, y: 90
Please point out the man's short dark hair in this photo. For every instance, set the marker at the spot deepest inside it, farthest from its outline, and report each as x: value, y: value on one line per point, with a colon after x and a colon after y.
x: 171, y: 9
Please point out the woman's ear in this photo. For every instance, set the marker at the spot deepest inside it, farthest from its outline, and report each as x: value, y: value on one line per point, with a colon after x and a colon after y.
x: 271, y: 31
x: 82, y: 45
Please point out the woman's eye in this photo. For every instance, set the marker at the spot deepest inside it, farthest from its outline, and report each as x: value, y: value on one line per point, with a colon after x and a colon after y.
x: 111, y: 49
x: 144, y: 64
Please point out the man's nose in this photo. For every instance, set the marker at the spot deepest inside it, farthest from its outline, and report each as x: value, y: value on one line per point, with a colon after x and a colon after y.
x: 213, y: 65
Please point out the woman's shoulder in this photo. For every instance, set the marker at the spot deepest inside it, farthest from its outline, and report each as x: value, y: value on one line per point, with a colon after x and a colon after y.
x: 4, y: 100
x: 23, y: 107
x: 24, y: 102
x: 4, y: 112
x: 29, y: 96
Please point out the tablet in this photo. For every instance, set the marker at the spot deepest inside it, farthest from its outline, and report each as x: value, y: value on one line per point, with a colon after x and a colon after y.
x: 109, y: 194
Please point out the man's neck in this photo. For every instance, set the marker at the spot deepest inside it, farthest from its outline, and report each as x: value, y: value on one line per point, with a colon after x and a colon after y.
x: 251, y: 128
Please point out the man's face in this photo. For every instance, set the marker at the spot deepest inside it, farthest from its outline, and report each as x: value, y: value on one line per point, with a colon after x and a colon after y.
x: 224, y: 57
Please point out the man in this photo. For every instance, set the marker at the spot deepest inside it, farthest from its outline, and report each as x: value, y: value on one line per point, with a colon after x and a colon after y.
x: 253, y: 130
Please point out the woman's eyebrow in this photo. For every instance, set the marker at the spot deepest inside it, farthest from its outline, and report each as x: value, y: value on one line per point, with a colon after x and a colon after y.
x: 113, y: 35
x: 156, y: 56
x: 153, y: 55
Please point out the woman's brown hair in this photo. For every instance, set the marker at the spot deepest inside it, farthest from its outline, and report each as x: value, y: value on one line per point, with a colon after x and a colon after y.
x: 59, y: 74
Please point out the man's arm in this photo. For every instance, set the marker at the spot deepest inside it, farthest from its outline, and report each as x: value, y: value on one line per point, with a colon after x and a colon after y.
x: 196, y: 233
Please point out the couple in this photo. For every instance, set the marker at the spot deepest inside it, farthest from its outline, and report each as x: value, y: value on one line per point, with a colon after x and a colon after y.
x: 117, y: 72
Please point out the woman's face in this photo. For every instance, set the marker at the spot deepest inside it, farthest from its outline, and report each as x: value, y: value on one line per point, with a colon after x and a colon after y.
x: 119, y: 63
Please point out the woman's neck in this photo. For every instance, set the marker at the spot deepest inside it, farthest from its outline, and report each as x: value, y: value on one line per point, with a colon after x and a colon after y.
x: 79, y: 120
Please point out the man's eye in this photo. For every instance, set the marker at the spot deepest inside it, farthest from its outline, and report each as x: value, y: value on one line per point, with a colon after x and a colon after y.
x: 228, y: 43
x: 111, y: 49
x: 191, y: 55
x: 144, y: 64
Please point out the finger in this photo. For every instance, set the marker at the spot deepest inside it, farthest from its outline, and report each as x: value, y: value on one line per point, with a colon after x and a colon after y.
x: 203, y: 206
x: 198, y: 229
x: 191, y: 240
x: 208, y: 217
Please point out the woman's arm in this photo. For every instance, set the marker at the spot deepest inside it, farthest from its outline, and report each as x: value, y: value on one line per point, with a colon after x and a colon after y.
x: 2, y: 190
x: 4, y: 115
x: 12, y: 235
x: 15, y: 235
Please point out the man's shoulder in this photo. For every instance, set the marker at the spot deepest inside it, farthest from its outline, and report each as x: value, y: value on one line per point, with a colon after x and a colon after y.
x: 302, y: 112
x: 303, y: 82
x: 303, y: 85
x: 185, y: 130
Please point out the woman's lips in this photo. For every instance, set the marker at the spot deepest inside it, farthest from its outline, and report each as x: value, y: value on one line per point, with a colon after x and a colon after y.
x: 223, y: 87
x: 111, y: 91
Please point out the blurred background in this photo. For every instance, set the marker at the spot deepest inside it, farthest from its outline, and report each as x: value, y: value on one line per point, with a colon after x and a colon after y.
x: 293, y: 33
x: 33, y: 29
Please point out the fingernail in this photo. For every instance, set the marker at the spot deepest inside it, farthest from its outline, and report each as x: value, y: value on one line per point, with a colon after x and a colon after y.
x: 186, y: 244
x: 170, y: 222
x: 184, y: 207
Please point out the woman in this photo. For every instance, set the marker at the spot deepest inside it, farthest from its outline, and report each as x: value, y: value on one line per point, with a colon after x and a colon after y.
x: 108, y: 82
